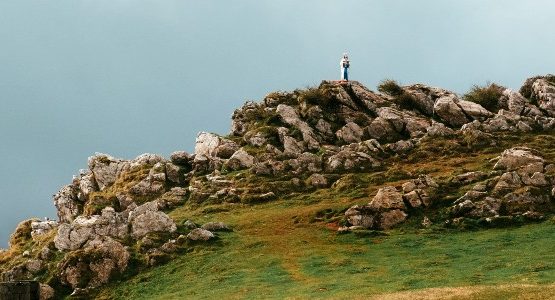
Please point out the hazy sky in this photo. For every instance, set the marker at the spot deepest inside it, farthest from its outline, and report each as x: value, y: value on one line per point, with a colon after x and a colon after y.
x: 127, y: 76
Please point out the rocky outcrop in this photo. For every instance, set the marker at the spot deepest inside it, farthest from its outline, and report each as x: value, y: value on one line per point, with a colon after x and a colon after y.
x: 136, y: 222
x: 457, y: 112
x: 290, y: 143
x: 391, y: 206
x: 99, y: 261
x: 211, y: 145
x: 522, y: 190
x: 543, y: 91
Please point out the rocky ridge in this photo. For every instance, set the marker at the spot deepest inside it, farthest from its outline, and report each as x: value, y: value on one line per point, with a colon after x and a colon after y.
x: 116, y: 210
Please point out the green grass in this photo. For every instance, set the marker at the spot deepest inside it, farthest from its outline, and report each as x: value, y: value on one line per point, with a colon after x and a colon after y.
x: 270, y: 254
x: 289, y: 248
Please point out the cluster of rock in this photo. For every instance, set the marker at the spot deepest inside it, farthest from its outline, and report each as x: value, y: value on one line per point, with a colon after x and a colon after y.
x: 302, y: 139
x: 523, y: 185
x: 391, y: 206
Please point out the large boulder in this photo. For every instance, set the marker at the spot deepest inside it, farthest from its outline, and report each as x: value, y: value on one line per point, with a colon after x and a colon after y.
x: 212, y: 145
x: 240, y: 160
x: 147, y: 218
x: 154, y: 183
x: 474, y: 110
x: 514, y: 158
x: 40, y: 228
x: 74, y: 235
x: 350, y: 133
x: 387, y: 198
x: 106, y: 169
x: 543, y: 91
x: 199, y: 234
x: 67, y: 203
x: 290, y: 116
x: 96, y: 264
x: 450, y: 112
x: 514, y: 102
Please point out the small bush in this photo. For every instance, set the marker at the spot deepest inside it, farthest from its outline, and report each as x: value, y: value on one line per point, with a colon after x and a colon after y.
x: 390, y: 87
x: 400, y: 97
x: 487, y: 96
x: 316, y: 96
x: 406, y: 101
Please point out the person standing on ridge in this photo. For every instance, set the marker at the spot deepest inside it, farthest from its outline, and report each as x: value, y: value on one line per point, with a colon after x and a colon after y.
x: 345, y: 67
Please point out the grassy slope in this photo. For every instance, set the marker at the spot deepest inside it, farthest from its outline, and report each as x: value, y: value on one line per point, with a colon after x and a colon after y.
x: 278, y: 250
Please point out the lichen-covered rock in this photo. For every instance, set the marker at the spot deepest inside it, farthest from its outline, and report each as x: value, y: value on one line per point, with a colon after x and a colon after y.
x: 543, y: 90
x: 361, y: 216
x: 387, y: 198
x: 74, y: 235
x: 514, y: 158
x: 67, y: 203
x: 211, y: 145
x: 181, y: 158
x: 175, y: 197
x: 390, y: 218
x: 355, y: 157
x: 215, y: 226
x: 106, y: 169
x: 40, y: 228
x: 154, y: 183
x: 290, y: 116
x: 350, y: 133
x: 447, y: 109
x: 240, y: 160
x: 200, y: 234
x: 46, y: 292
x: 94, y: 265
x: 147, y: 218
x: 439, y: 130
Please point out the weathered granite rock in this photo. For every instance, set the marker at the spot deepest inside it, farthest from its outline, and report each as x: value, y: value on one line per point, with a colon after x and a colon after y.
x: 76, y: 234
x: 215, y: 226
x: 387, y: 198
x: 350, y: 133
x: 106, y: 169
x: 147, y: 218
x: 181, y: 158
x: 211, y: 145
x: 514, y: 158
x: 361, y: 216
x: 39, y: 228
x: 200, y: 234
x: 449, y: 111
x: 389, y: 219
x: 154, y: 183
x: 240, y: 160
x: 543, y: 90
x: 67, y: 204
x: 439, y: 130
x: 290, y: 116
x: 94, y: 265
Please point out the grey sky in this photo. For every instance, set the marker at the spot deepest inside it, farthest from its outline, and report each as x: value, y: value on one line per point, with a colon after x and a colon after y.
x: 127, y: 77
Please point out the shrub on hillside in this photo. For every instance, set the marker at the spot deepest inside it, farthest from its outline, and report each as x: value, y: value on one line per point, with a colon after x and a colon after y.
x: 400, y: 97
x: 390, y: 87
x: 487, y: 96
x: 316, y: 96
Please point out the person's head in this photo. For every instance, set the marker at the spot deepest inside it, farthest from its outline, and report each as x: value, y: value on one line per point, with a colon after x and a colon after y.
x: 345, y: 55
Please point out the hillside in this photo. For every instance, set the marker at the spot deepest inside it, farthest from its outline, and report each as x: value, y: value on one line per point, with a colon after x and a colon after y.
x: 335, y: 191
